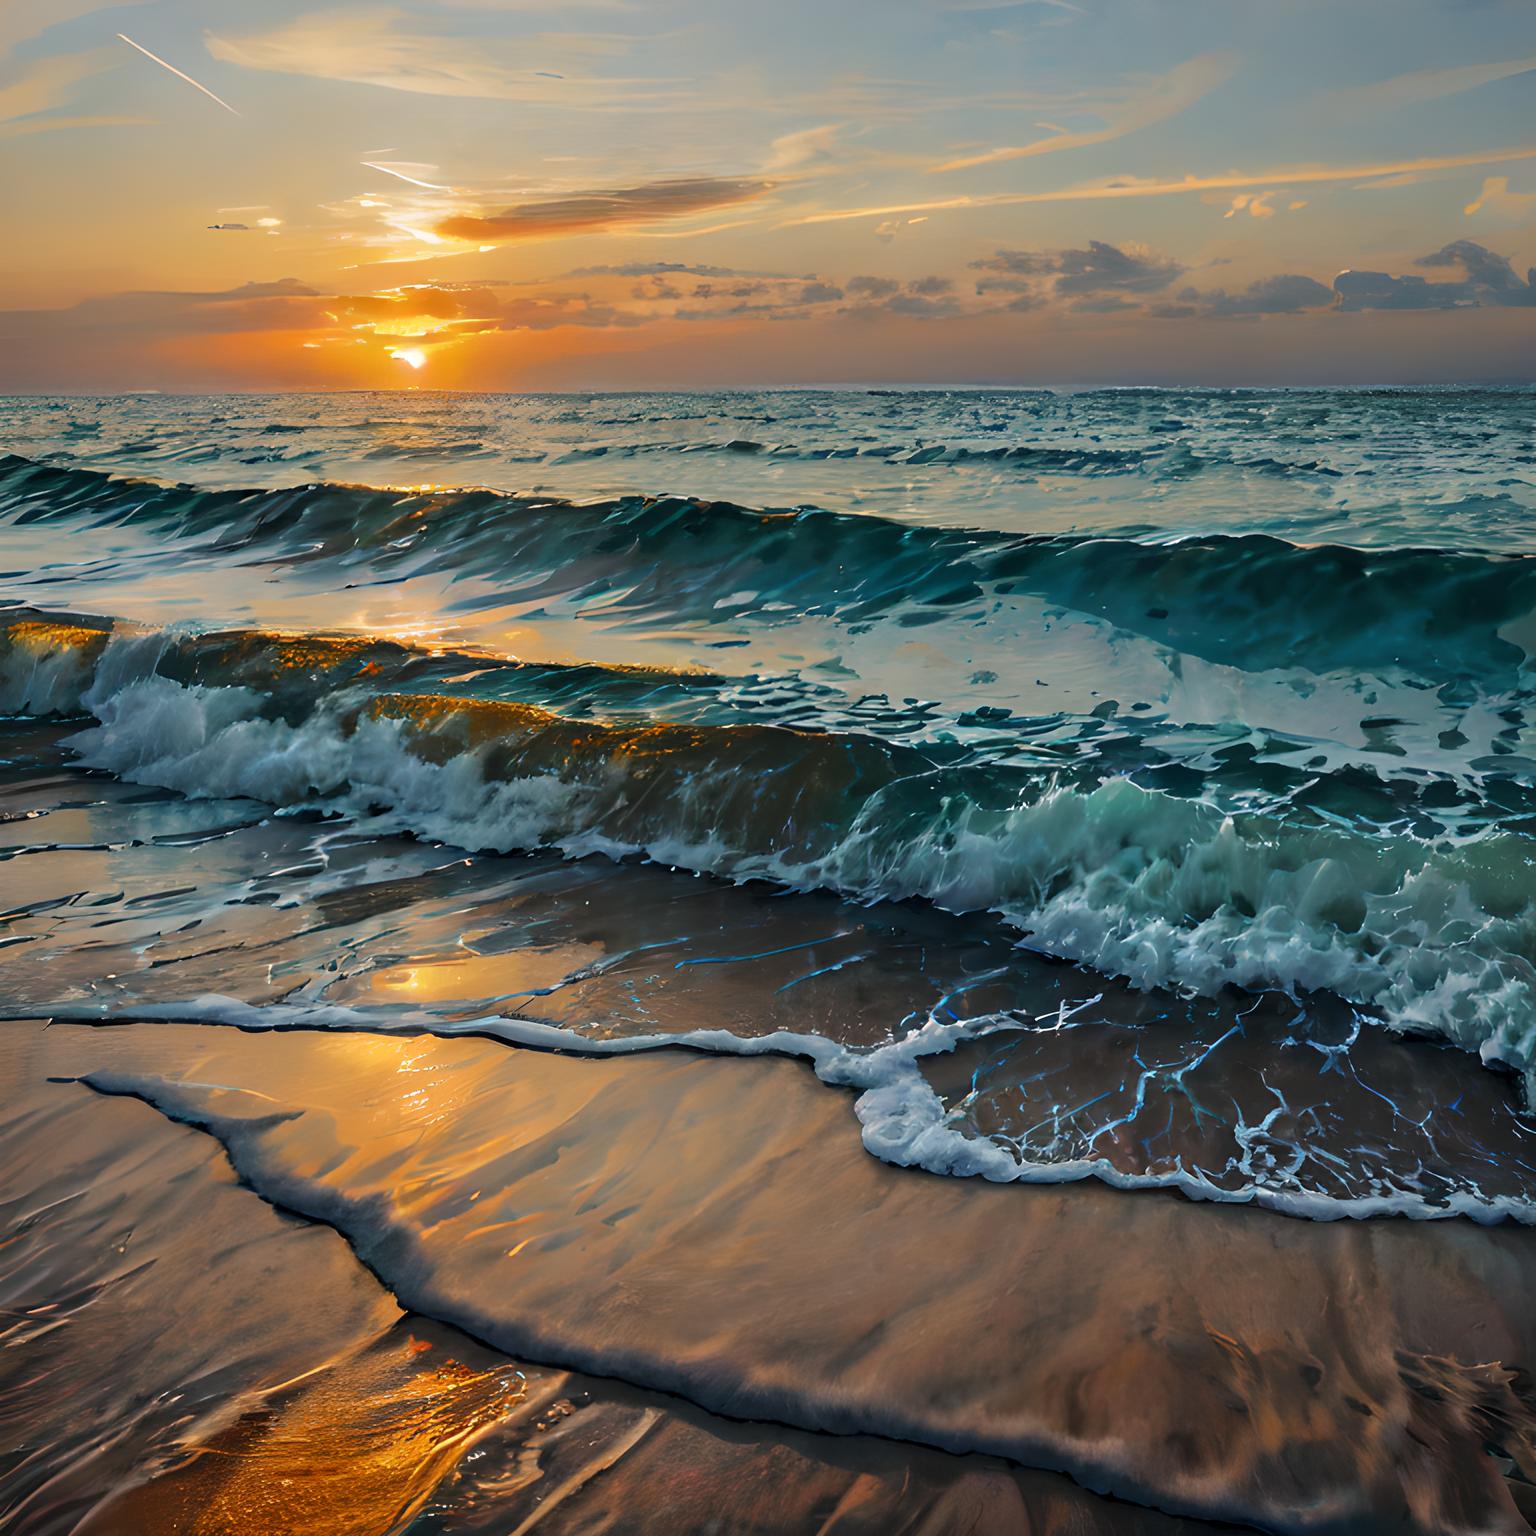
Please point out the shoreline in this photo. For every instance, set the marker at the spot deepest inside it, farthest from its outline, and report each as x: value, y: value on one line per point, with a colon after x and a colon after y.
x: 346, y: 1399
x: 699, y: 1239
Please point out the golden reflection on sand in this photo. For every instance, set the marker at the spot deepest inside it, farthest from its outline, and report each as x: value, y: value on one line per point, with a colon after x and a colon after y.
x: 354, y: 1450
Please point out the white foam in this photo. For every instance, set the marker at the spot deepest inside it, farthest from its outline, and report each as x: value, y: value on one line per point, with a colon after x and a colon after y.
x: 1435, y: 937
x: 903, y: 1121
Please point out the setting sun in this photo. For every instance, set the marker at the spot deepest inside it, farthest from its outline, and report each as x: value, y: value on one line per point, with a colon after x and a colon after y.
x: 413, y: 356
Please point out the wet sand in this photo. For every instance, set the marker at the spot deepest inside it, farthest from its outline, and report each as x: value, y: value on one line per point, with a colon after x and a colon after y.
x: 263, y: 1382
x: 712, y: 1228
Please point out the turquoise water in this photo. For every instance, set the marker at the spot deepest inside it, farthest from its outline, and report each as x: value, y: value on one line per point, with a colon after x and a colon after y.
x: 1215, y: 698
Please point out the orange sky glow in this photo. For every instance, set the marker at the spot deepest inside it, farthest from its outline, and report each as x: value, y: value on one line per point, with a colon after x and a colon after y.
x: 519, y: 194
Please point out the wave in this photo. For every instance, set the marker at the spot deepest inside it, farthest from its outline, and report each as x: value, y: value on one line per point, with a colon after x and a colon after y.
x: 41, y: 656
x: 1437, y: 935
x: 903, y: 1120
x: 1160, y: 461
x: 1461, y: 620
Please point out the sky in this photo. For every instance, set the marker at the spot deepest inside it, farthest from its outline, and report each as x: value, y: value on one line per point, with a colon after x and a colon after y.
x: 512, y: 194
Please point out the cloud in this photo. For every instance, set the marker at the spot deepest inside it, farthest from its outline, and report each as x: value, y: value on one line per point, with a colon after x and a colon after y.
x: 805, y: 151
x: 150, y: 329
x: 24, y: 19
x: 590, y: 212
x: 1105, y: 279
x: 1116, y: 188
x: 1019, y: 263
x: 368, y: 46
x: 608, y: 297
x: 432, y: 317
x: 1379, y: 290
x: 538, y: 312
x: 1106, y: 304
x: 156, y: 314
x: 1104, y: 267
x: 1496, y: 197
x: 52, y: 122
x: 1163, y: 98
x: 658, y: 268
x: 919, y: 298
x: 1488, y: 281
x: 1482, y: 267
x: 1259, y: 205
x: 27, y: 92
x: 1431, y: 84
x: 1095, y: 272
x: 873, y: 287
x: 1287, y: 293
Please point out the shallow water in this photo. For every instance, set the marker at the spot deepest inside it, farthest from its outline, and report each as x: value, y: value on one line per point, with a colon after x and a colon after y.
x: 1128, y: 789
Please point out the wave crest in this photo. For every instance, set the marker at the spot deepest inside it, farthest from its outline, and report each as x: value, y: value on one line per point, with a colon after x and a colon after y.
x: 1437, y: 935
x: 1449, y: 617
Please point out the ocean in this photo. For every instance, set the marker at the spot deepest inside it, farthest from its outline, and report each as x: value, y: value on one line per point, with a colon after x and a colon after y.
x: 1130, y: 793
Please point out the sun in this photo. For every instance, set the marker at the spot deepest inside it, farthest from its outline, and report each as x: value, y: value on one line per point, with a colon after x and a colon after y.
x: 414, y: 357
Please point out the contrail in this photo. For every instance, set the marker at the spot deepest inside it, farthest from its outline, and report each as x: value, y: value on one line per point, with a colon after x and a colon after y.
x: 188, y: 78
x: 431, y: 186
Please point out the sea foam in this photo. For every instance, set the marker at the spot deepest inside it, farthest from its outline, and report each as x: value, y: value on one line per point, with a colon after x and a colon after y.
x: 1436, y: 936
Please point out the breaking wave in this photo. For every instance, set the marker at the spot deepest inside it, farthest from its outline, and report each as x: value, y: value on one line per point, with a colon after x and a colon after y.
x: 1437, y: 935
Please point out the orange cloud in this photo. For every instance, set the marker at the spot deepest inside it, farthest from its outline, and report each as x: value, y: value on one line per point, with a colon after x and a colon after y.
x: 589, y: 212
x: 1117, y: 188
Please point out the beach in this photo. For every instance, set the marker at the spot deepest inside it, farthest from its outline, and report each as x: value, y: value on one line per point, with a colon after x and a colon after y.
x: 1322, y: 1372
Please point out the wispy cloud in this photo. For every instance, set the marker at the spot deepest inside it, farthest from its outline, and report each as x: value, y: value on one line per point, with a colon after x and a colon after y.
x: 47, y: 84
x: 591, y: 212
x: 1496, y: 197
x: 1161, y: 99
x: 21, y: 20
x: 1430, y: 84
x: 1115, y: 189
x: 371, y: 46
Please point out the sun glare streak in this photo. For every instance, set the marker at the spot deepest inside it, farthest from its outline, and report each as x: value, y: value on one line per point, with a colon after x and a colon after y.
x: 179, y: 75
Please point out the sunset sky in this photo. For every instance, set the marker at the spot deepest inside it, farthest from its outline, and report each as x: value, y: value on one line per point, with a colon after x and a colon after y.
x: 509, y: 194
